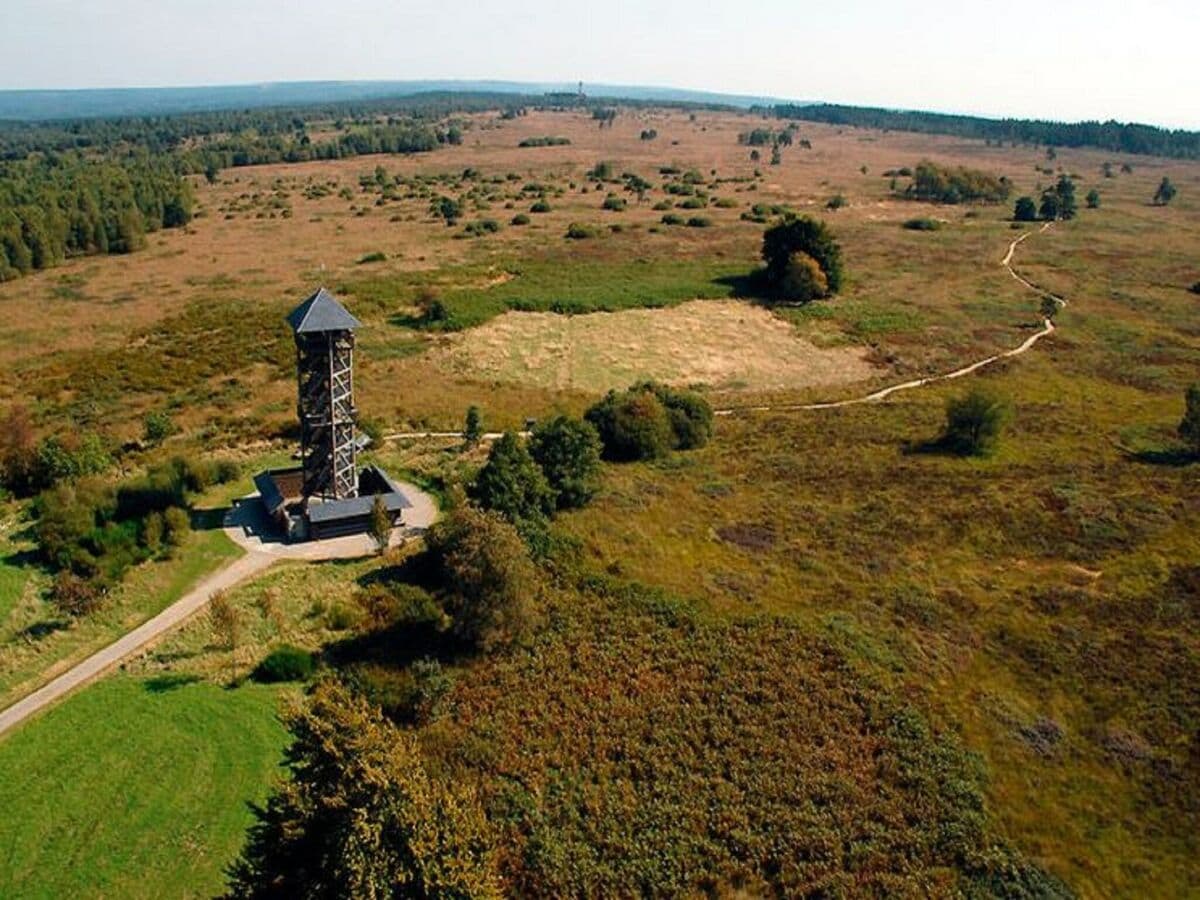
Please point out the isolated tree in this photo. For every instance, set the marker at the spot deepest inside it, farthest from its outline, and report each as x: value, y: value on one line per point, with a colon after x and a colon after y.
x: 380, y: 524
x: 974, y: 422
x: 776, y: 155
x: 1093, y: 199
x: 806, y: 235
x: 1050, y: 208
x: 1107, y: 170
x: 1025, y: 210
x: 1166, y: 192
x: 1189, y: 427
x: 473, y: 426
x: 361, y: 815
x: 17, y: 450
x: 511, y: 484
x: 568, y: 452
x: 491, y: 585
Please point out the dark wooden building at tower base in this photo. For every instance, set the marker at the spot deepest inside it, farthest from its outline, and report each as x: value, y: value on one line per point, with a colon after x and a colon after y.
x: 311, y: 518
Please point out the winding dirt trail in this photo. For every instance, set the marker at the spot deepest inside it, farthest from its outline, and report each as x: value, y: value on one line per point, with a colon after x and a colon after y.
x: 884, y: 393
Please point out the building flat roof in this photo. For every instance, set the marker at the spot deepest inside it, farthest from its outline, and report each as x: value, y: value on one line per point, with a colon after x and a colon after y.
x: 354, y: 507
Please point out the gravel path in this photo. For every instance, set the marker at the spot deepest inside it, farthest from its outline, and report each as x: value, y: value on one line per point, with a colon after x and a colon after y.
x: 246, y: 525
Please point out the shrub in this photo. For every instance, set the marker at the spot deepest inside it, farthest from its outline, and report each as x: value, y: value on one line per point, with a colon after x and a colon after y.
x: 648, y: 420
x: 520, y: 219
x: 1165, y: 193
x: 490, y: 583
x: 377, y: 256
x: 699, y: 222
x: 807, y: 235
x: 632, y: 426
x: 672, y: 219
x: 923, y: 224
x: 286, y: 663
x: 75, y: 596
x: 601, y: 171
x: 547, y: 141
x: 613, y: 203
x: 568, y: 452
x: 1093, y: 199
x: 224, y: 620
x: 540, y: 206
x: 836, y: 202
x: 176, y: 526
x: 473, y: 426
x: 361, y: 816
x: 481, y: 227
x: 1195, y: 288
x: 974, y: 422
x: 157, y: 427
x: 511, y: 484
x: 802, y: 280
x: 1025, y: 210
x: 578, y: 232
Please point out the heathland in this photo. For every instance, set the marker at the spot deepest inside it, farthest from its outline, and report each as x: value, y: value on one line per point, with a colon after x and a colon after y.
x: 818, y: 653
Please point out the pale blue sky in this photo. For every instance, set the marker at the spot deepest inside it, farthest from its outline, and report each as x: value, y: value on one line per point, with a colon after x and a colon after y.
x: 1063, y: 59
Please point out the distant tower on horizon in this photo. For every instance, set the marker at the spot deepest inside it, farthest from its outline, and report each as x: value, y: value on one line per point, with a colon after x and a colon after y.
x: 581, y: 94
x: 324, y: 333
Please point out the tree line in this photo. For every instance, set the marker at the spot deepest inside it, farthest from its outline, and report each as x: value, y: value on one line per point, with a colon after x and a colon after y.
x: 1111, y: 135
x: 61, y: 205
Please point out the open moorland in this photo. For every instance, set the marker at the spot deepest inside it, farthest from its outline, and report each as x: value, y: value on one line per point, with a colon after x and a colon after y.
x: 817, y: 655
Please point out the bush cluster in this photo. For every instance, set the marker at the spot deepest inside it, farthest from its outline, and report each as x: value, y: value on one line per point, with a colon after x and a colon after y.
x: 956, y: 185
x: 804, y: 262
x: 649, y: 420
x: 286, y: 663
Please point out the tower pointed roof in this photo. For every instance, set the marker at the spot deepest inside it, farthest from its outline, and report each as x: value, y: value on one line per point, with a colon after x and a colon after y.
x: 321, y: 312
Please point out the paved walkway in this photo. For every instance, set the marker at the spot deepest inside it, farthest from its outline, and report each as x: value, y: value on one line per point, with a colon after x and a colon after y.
x: 248, y: 526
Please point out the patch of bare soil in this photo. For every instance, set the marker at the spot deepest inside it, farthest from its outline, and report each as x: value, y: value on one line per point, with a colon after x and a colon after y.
x: 726, y: 344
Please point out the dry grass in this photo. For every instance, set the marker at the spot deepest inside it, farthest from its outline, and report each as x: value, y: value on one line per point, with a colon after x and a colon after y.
x: 727, y: 344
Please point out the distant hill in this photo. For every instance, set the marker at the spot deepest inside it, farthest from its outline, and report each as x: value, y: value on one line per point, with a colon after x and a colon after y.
x: 44, y: 105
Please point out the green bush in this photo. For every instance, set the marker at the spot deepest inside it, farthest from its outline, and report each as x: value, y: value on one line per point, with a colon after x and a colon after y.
x: 648, y: 420
x: 377, y: 256
x: 613, y: 203
x: 699, y: 222
x: 540, y: 206
x: 520, y: 219
x: 568, y: 452
x: 922, y: 224
x: 974, y: 422
x: 672, y: 219
x: 579, y: 232
x: 511, y: 484
x: 286, y: 663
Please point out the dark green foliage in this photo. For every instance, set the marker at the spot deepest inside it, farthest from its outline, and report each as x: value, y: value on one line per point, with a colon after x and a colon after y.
x: 648, y: 420
x: 285, y: 663
x: 1195, y: 288
x: 547, y: 141
x: 1111, y: 135
x: 71, y: 205
x: 511, y: 484
x: 648, y: 134
x: 836, y: 202
x: 613, y: 203
x: 699, y: 222
x: 672, y: 219
x: 473, y: 426
x: 1093, y: 199
x: 490, y: 586
x: 1189, y: 427
x: 361, y: 816
x: 1025, y: 210
x: 632, y: 426
x: 481, y: 227
x: 568, y: 452
x: 923, y: 224
x: 377, y: 256
x: 958, y: 185
x: 520, y: 219
x: 540, y: 206
x: 1058, y: 202
x: 974, y: 422
x: 802, y: 234
x: 1165, y: 193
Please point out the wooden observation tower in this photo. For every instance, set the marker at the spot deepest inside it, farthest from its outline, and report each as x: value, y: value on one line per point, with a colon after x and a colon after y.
x: 324, y: 333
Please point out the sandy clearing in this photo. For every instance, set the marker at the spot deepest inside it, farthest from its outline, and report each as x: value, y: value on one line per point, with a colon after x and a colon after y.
x: 720, y: 343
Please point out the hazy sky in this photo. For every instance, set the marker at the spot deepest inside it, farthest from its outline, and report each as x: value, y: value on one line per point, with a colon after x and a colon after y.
x: 1063, y: 59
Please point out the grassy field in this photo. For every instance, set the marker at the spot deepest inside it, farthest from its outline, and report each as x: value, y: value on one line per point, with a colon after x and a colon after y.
x: 135, y: 787
x: 1036, y: 608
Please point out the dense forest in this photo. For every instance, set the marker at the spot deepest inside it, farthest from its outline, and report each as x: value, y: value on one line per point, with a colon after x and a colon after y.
x: 1114, y: 136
